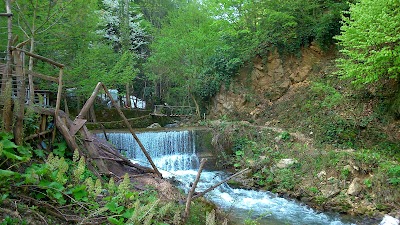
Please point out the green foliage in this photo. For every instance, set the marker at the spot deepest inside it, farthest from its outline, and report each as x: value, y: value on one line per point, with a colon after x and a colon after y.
x: 368, y: 183
x: 285, y: 179
x: 394, y: 175
x: 182, y: 50
x: 67, y: 184
x: 219, y: 70
x: 370, y: 41
x: 314, y: 190
x: 327, y: 95
x: 339, y: 131
x: 8, y: 220
x: 31, y: 119
x: 345, y: 173
x: 123, y: 71
x: 9, y: 151
x: 284, y: 135
x: 288, y: 25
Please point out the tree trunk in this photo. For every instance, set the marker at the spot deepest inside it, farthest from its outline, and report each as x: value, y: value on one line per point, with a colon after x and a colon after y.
x: 30, y: 68
x: 128, y: 96
x: 196, y: 104
x: 6, y: 88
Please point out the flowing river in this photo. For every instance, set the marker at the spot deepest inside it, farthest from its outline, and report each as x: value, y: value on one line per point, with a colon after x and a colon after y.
x: 174, y: 153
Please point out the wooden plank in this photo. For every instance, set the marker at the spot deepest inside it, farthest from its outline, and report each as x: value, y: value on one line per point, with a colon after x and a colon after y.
x: 39, y: 57
x: 6, y: 14
x: 42, y: 76
x: 89, y: 102
x: 58, y: 101
x: 77, y: 125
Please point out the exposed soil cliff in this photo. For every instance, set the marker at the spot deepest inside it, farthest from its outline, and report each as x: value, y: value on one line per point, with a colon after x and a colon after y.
x: 266, y: 79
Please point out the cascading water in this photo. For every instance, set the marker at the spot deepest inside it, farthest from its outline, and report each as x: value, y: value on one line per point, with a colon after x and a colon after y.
x: 174, y: 153
x: 170, y: 151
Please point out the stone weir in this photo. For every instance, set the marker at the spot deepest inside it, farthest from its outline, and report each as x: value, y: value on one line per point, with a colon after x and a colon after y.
x: 163, y: 145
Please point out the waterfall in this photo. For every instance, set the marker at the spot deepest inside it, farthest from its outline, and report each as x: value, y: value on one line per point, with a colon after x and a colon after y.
x: 170, y: 151
x: 175, y: 152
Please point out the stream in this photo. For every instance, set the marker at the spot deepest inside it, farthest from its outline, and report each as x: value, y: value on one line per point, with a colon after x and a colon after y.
x: 174, y: 153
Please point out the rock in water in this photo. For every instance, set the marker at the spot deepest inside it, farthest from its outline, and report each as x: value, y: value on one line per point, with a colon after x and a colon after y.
x: 389, y: 220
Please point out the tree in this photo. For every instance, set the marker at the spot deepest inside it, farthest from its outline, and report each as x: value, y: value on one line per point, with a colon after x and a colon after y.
x: 122, y: 24
x: 187, y: 39
x: 124, y: 27
x: 370, y: 41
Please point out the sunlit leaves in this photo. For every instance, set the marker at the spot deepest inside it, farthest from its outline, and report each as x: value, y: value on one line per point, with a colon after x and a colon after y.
x: 370, y: 41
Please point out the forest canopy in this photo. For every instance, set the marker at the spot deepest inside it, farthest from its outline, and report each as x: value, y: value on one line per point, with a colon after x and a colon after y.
x: 183, y: 51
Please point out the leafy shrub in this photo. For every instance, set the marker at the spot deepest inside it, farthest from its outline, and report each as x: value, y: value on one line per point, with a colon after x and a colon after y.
x: 329, y: 96
x: 394, y: 175
x: 285, y: 179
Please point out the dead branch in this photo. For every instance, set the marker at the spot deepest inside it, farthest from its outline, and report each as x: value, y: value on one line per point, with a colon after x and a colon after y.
x: 218, y: 184
x: 189, y: 197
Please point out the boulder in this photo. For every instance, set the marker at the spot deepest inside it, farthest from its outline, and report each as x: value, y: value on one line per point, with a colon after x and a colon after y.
x: 154, y: 125
x: 285, y: 163
x: 321, y: 175
x: 355, y: 187
x: 330, y: 190
x: 172, y: 125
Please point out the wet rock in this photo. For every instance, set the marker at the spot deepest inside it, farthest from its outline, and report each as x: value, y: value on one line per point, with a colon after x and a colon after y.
x: 171, y: 125
x: 154, y: 125
x: 355, y: 187
x: 285, y: 163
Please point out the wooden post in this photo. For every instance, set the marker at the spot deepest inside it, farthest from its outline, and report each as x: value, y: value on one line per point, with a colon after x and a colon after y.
x: 58, y: 101
x: 82, y: 114
x: 132, y: 131
x: 19, y: 109
x: 190, y: 194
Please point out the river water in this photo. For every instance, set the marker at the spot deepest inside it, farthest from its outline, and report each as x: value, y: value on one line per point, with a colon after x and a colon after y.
x: 174, y: 153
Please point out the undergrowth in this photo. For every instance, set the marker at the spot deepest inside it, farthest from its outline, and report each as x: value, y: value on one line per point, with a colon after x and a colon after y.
x: 262, y: 148
x: 60, y: 184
